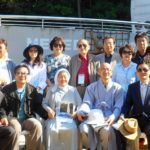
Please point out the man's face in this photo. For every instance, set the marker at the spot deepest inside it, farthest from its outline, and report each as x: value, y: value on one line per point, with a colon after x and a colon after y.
x: 21, y: 75
x: 83, y: 47
x: 143, y: 72
x: 105, y: 71
x: 141, y: 44
x: 109, y: 46
x: 3, y: 50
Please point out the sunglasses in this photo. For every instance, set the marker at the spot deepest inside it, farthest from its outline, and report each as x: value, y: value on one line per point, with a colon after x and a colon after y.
x: 82, y: 45
x: 143, y: 69
x: 58, y: 45
x: 127, y: 52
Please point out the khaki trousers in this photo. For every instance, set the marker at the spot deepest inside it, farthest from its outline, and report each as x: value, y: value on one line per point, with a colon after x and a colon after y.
x: 33, y: 137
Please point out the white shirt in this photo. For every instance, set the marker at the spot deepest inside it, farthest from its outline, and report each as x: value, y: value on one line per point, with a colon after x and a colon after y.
x: 143, y: 90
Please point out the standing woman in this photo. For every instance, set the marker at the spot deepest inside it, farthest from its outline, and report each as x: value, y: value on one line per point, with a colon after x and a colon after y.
x: 147, y: 57
x: 6, y: 65
x: 33, y: 59
x: 57, y: 59
x: 83, y: 68
x: 124, y: 72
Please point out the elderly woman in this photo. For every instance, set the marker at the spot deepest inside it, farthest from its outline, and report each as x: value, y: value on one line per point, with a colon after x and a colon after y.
x: 124, y: 73
x: 83, y: 68
x: 57, y: 59
x: 33, y: 59
x: 61, y: 103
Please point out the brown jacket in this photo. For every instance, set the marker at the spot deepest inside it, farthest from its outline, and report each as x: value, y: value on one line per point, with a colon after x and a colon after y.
x: 75, y: 65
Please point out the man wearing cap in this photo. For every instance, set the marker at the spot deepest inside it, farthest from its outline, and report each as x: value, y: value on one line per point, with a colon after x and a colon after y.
x: 138, y: 100
x: 141, y: 41
x: 108, y: 96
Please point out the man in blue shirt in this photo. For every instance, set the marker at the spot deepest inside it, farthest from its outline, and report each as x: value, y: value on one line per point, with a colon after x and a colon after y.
x: 108, y: 96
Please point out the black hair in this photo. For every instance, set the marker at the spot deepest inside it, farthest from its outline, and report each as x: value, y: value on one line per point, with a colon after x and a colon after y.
x: 21, y: 66
x: 57, y: 39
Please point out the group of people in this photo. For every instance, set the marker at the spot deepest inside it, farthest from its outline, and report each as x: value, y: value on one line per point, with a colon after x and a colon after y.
x: 63, y: 90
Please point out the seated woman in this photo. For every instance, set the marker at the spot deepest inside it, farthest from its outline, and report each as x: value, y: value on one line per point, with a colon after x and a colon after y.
x: 61, y: 102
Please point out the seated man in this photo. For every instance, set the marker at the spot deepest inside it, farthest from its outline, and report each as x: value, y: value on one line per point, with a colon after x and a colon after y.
x: 108, y: 96
x: 138, y: 100
x: 18, y: 108
x: 7, y: 133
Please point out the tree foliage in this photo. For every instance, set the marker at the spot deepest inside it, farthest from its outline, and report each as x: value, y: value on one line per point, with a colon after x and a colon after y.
x: 108, y: 9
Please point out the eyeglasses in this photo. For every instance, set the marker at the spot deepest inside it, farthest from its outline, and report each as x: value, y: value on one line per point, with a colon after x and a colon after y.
x: 143, y: 69
x: 22, y: 73
x: 82, y: 45
x: 58, y: 45
x: 127, y: 52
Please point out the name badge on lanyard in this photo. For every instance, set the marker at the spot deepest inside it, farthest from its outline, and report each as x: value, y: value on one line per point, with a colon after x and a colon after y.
x: 81, y: 79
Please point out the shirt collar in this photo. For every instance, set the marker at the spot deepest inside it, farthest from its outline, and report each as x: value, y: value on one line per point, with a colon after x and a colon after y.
x: 146, y: 83
x: 82, y: 58
x: 110, y: 83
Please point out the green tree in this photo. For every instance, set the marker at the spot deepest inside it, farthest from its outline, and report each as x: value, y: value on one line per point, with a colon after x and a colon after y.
x: 108, y: 9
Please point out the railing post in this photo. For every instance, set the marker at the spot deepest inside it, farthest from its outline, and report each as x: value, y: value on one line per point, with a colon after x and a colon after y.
x: 0, y: 22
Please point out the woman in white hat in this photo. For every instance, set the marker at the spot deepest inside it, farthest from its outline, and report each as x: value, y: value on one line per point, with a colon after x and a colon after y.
x: 61, y: 103
x: 33, y: 59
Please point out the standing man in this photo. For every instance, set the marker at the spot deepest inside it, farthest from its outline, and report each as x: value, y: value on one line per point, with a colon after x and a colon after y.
x: 109, y: 56
x: 83, y: 68
x: 19, y: 106
x: 108, y: 96
x: 138, y: 100
x: 141, y: 41
x: 6, y: 65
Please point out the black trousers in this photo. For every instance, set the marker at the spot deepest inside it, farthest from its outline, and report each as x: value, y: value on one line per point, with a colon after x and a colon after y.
x: 7, y: 137
x: 144, y: 124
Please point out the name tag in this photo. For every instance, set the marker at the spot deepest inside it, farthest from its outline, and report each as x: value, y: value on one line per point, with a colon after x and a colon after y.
x: 81, y: 79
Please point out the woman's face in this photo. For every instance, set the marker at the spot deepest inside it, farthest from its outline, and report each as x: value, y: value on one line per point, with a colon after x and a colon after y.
x: 126, y: 55
x: 62, y: 79
x: 33, y: 53
x: 57, y: 48
x: 83, y: 47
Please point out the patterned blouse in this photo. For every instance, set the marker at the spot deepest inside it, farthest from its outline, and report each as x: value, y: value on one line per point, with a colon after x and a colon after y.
x: 53, y: 64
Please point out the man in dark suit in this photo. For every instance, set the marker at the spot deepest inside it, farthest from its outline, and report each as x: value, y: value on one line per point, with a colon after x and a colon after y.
x: 138, y: 100
x: 109, y: 55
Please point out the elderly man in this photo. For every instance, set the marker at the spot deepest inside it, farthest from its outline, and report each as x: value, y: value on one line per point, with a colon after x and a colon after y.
x: 141, y: 41
x: 108, y: 96
x: 18, y: 108
x: 138, y: 100
x: 109, y: 56
x: 83, y: 68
